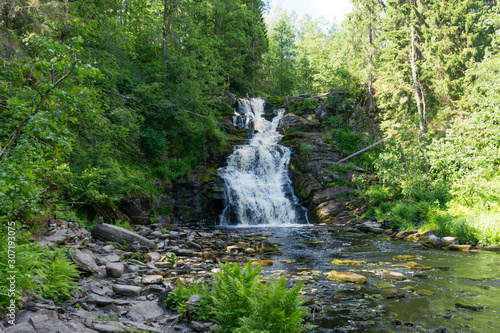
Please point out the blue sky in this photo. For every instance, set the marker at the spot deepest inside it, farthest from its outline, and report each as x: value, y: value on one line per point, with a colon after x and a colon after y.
x: 332, y: 10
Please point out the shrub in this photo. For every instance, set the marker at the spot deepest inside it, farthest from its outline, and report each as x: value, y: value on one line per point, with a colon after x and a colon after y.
x: 44, y: 272
x: 59, y: 276
x: 403, y: 215
x: 310, y: 103
x: 124, y: 224
x: 233, y: 289
x: 179, y: 297
x: 378, y: 194
x: 239, y: 302
x: 276, y: 310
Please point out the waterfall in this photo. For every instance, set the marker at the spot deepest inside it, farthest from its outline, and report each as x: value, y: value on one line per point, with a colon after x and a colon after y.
x: 257, y: 188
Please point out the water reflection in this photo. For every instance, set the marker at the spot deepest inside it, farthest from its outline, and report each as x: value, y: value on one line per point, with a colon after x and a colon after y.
x: 469, y: 278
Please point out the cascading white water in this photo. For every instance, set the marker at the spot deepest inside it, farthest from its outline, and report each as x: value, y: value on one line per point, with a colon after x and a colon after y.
x: 258, y: 190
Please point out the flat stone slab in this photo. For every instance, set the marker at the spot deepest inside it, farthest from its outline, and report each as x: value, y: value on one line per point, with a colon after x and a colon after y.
x: 388, y: 275
x: 347, y: 277
x: 126, y: 290
x: 393, y: 293
x: 144, y: 311
x: 113, y: 233
x: 457, y: 247
x: 112, y: 327
x: 20, y: 328
x: 152, y: 279
x: 99, y: 300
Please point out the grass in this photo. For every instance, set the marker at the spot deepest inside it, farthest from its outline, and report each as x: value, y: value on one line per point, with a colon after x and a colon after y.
x: 469, y: 225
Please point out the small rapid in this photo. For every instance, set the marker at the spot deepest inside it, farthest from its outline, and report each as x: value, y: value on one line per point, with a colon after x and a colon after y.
x: 257, y: 188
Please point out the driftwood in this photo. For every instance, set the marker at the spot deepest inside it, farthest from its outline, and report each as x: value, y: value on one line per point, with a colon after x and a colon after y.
x: 362, y: 151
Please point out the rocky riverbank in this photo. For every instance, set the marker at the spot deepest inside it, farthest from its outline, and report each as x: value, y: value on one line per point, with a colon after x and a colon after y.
x: 127, y: 275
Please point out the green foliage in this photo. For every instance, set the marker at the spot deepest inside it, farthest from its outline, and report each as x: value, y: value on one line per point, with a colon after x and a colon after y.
x: 242, y: 304
x: 233, y: 289
x: 174, y: 168
x: 340, y: 102
x: 179, y: 296
x: 310, y: 103
x: 342, y: 169
x: 39, y: 102
x: 143, y: 111
x: 305, y: 151
x: 276, y: 310
x: 338, y: 133
x: 137, y: 256
x: 170, y: 257
x: 124, y: 224
x: 165, y: 210
x: 403, y: 215
x: 44, y: 272
x: 339, y: 182
x: 59, y: 276
x: 378, y: 194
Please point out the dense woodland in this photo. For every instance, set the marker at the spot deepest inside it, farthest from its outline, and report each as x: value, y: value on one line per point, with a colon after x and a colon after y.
x: 100, y: 100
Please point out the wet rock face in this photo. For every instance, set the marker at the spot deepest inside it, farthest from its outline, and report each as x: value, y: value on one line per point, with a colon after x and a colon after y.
x: 314, y: 180
x: 194, y: 200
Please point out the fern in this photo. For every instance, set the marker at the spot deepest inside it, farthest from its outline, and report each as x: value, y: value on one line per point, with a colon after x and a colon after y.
x: 232, y: 293
x: 276, y: 310
x: 179, y: 297
x: 42, y: 271
x: 27, y: 259
x: 59, y: 276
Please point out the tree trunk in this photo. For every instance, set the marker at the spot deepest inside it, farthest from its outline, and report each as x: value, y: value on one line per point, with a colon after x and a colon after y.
x: 371, y: 107
x: 419, y: 99
x: 165, y: 34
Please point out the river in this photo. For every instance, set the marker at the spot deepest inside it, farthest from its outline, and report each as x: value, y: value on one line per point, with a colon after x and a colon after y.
x: 438, y: 291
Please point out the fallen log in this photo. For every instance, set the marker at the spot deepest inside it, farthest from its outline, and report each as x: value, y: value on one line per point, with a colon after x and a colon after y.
x: 113, y: 233
x: 362, y: 151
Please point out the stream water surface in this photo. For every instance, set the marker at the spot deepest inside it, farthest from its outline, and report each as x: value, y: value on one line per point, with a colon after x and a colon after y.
x: 430, y: 294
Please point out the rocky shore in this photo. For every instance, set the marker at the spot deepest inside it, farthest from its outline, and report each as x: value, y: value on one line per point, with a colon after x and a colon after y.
x: 127, y: 275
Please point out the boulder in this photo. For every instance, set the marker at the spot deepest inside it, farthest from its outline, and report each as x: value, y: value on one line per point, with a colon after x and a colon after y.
x: 457, y: 247
x: 153, y: 256
x: 113, y: 233
x: 20, y: 328
x: 99, y: 300
x: 114, y: 270
x: 84, y: 261
x: 291, y: 120
x: 393, y: 293
x: 330, y: 193
x: 126, y: 290
x: 347, y: 277
x: 152, y: 279
x: 144, y: 311
x: 388, y: 275
x: 322, y: 112
x: 110, y: 327
x: 329, y: 209
x: 229, y: 99
x: 42, y: 324
x: 137, y: 209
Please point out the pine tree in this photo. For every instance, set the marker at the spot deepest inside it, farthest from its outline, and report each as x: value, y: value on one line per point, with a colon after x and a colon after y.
x: 364, y: 33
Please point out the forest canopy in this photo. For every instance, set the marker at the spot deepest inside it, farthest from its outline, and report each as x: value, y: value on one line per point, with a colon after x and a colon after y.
x: 101, y: 99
